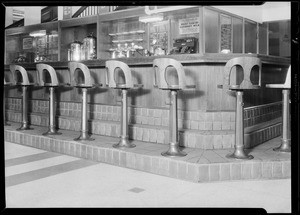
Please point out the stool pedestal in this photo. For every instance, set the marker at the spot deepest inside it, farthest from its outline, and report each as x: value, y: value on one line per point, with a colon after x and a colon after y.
x: 286, y: 129
x: 4, y: 118
x: 124, y: 143
x: 24, y: 125
x: 173, y: 150
x: 52, y: 130
x: 84, y: 130
x: 239, y: 129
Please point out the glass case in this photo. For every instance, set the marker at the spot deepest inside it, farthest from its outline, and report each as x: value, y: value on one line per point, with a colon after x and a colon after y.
x: 126, y: 38
x: 36, y: 43
x: 133, y: 33
x: 76, y: 37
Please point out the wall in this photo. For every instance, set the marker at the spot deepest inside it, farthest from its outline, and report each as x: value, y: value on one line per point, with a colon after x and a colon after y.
x: 269, y: 11
x: 274, y: 11
x: 8, y: 16
x: 32, y: 15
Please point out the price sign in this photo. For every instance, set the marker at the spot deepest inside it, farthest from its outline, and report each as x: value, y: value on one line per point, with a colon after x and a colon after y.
x: 27, y: 43
x: 189, y: 26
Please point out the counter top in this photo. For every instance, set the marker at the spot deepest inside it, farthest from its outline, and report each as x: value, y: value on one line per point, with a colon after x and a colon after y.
x: 184, y: 59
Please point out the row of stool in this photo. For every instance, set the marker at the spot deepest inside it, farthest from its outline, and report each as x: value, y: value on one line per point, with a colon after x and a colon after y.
x: 160, y: 65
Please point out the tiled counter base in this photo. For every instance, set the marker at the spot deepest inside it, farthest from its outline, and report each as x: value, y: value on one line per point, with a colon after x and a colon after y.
x: 198, y: 166
x: 193, y: 138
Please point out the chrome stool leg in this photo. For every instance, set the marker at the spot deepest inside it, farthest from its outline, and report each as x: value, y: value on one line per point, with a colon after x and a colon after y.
x: 84, y: 131
x: 173, y: 150
x: 4, y: 118
x: 286, y: 129
x: 124, y: 143
x: 239, y: 130
x: 52, y: 130
x: 25, y: 125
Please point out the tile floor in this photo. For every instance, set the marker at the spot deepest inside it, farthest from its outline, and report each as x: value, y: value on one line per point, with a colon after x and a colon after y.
x: 36, y: 178
x: 199, y: 165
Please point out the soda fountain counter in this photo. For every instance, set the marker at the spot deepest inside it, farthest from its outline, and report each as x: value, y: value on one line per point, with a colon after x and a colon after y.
x: 205, y: 109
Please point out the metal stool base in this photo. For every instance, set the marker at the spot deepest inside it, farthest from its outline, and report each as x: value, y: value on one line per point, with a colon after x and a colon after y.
x: 174, y: 151
x: 84, y: 137
x: 284, y: 147
x: 240, y: 157
x: 171, y: 154
x: 23, y: 128
x: 51, y: 133
x: 124, y: 143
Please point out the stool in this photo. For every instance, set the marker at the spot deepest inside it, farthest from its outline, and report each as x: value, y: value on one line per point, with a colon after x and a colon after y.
x: 42, y: 70
x: 111, y: 67
x: 16, y: 69
x: 160, y: 68
x: 6, y: 84
x: 75, y: 68
x: 286, y: 129
x: 247, y: 64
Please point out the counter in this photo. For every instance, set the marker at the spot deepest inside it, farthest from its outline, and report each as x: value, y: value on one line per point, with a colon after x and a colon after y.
x: 203, y: 70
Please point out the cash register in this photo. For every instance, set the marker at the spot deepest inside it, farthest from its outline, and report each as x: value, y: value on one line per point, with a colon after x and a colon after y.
x: 185, y: 45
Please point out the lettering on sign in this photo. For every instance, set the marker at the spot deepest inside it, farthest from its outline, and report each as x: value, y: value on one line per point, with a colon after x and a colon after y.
x: 189, y: 26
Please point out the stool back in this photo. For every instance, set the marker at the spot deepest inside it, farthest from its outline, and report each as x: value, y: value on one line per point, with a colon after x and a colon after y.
x: 287, y: 83
x: 111, y: 68
x: 9, y: 78
x: 160, y: 68
x: 17, y: 70
x: 42, y: 70
x: 247, y: 64
x: 76, y: 69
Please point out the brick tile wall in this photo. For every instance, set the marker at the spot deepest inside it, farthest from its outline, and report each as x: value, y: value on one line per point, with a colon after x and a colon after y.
x: 105, y: 120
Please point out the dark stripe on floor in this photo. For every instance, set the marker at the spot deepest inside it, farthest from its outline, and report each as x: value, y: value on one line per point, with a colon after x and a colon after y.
x: 30, y: 158
x: 46, y: 172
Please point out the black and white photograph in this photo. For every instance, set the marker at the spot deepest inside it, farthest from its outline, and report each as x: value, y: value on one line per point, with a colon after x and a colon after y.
x: 137, y: 105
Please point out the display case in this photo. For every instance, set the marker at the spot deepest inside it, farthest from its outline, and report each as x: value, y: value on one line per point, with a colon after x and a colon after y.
x: 122, y: 35
x: 134, y: 33
x: 35, y: 43
x: 75, y: 31
x: 124, y: 38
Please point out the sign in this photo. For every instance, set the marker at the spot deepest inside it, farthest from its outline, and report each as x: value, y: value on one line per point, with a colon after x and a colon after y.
x: 189, y: 26
x: 226, y: 32
x: 225, y: 36
x: 27, y: 43
x: 67, y: 12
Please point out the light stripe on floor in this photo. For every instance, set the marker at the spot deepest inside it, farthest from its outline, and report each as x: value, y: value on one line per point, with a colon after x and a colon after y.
x: 30, y: 158
x: 26, y: 167
x: 46, y: 172
x: 14, y: 150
